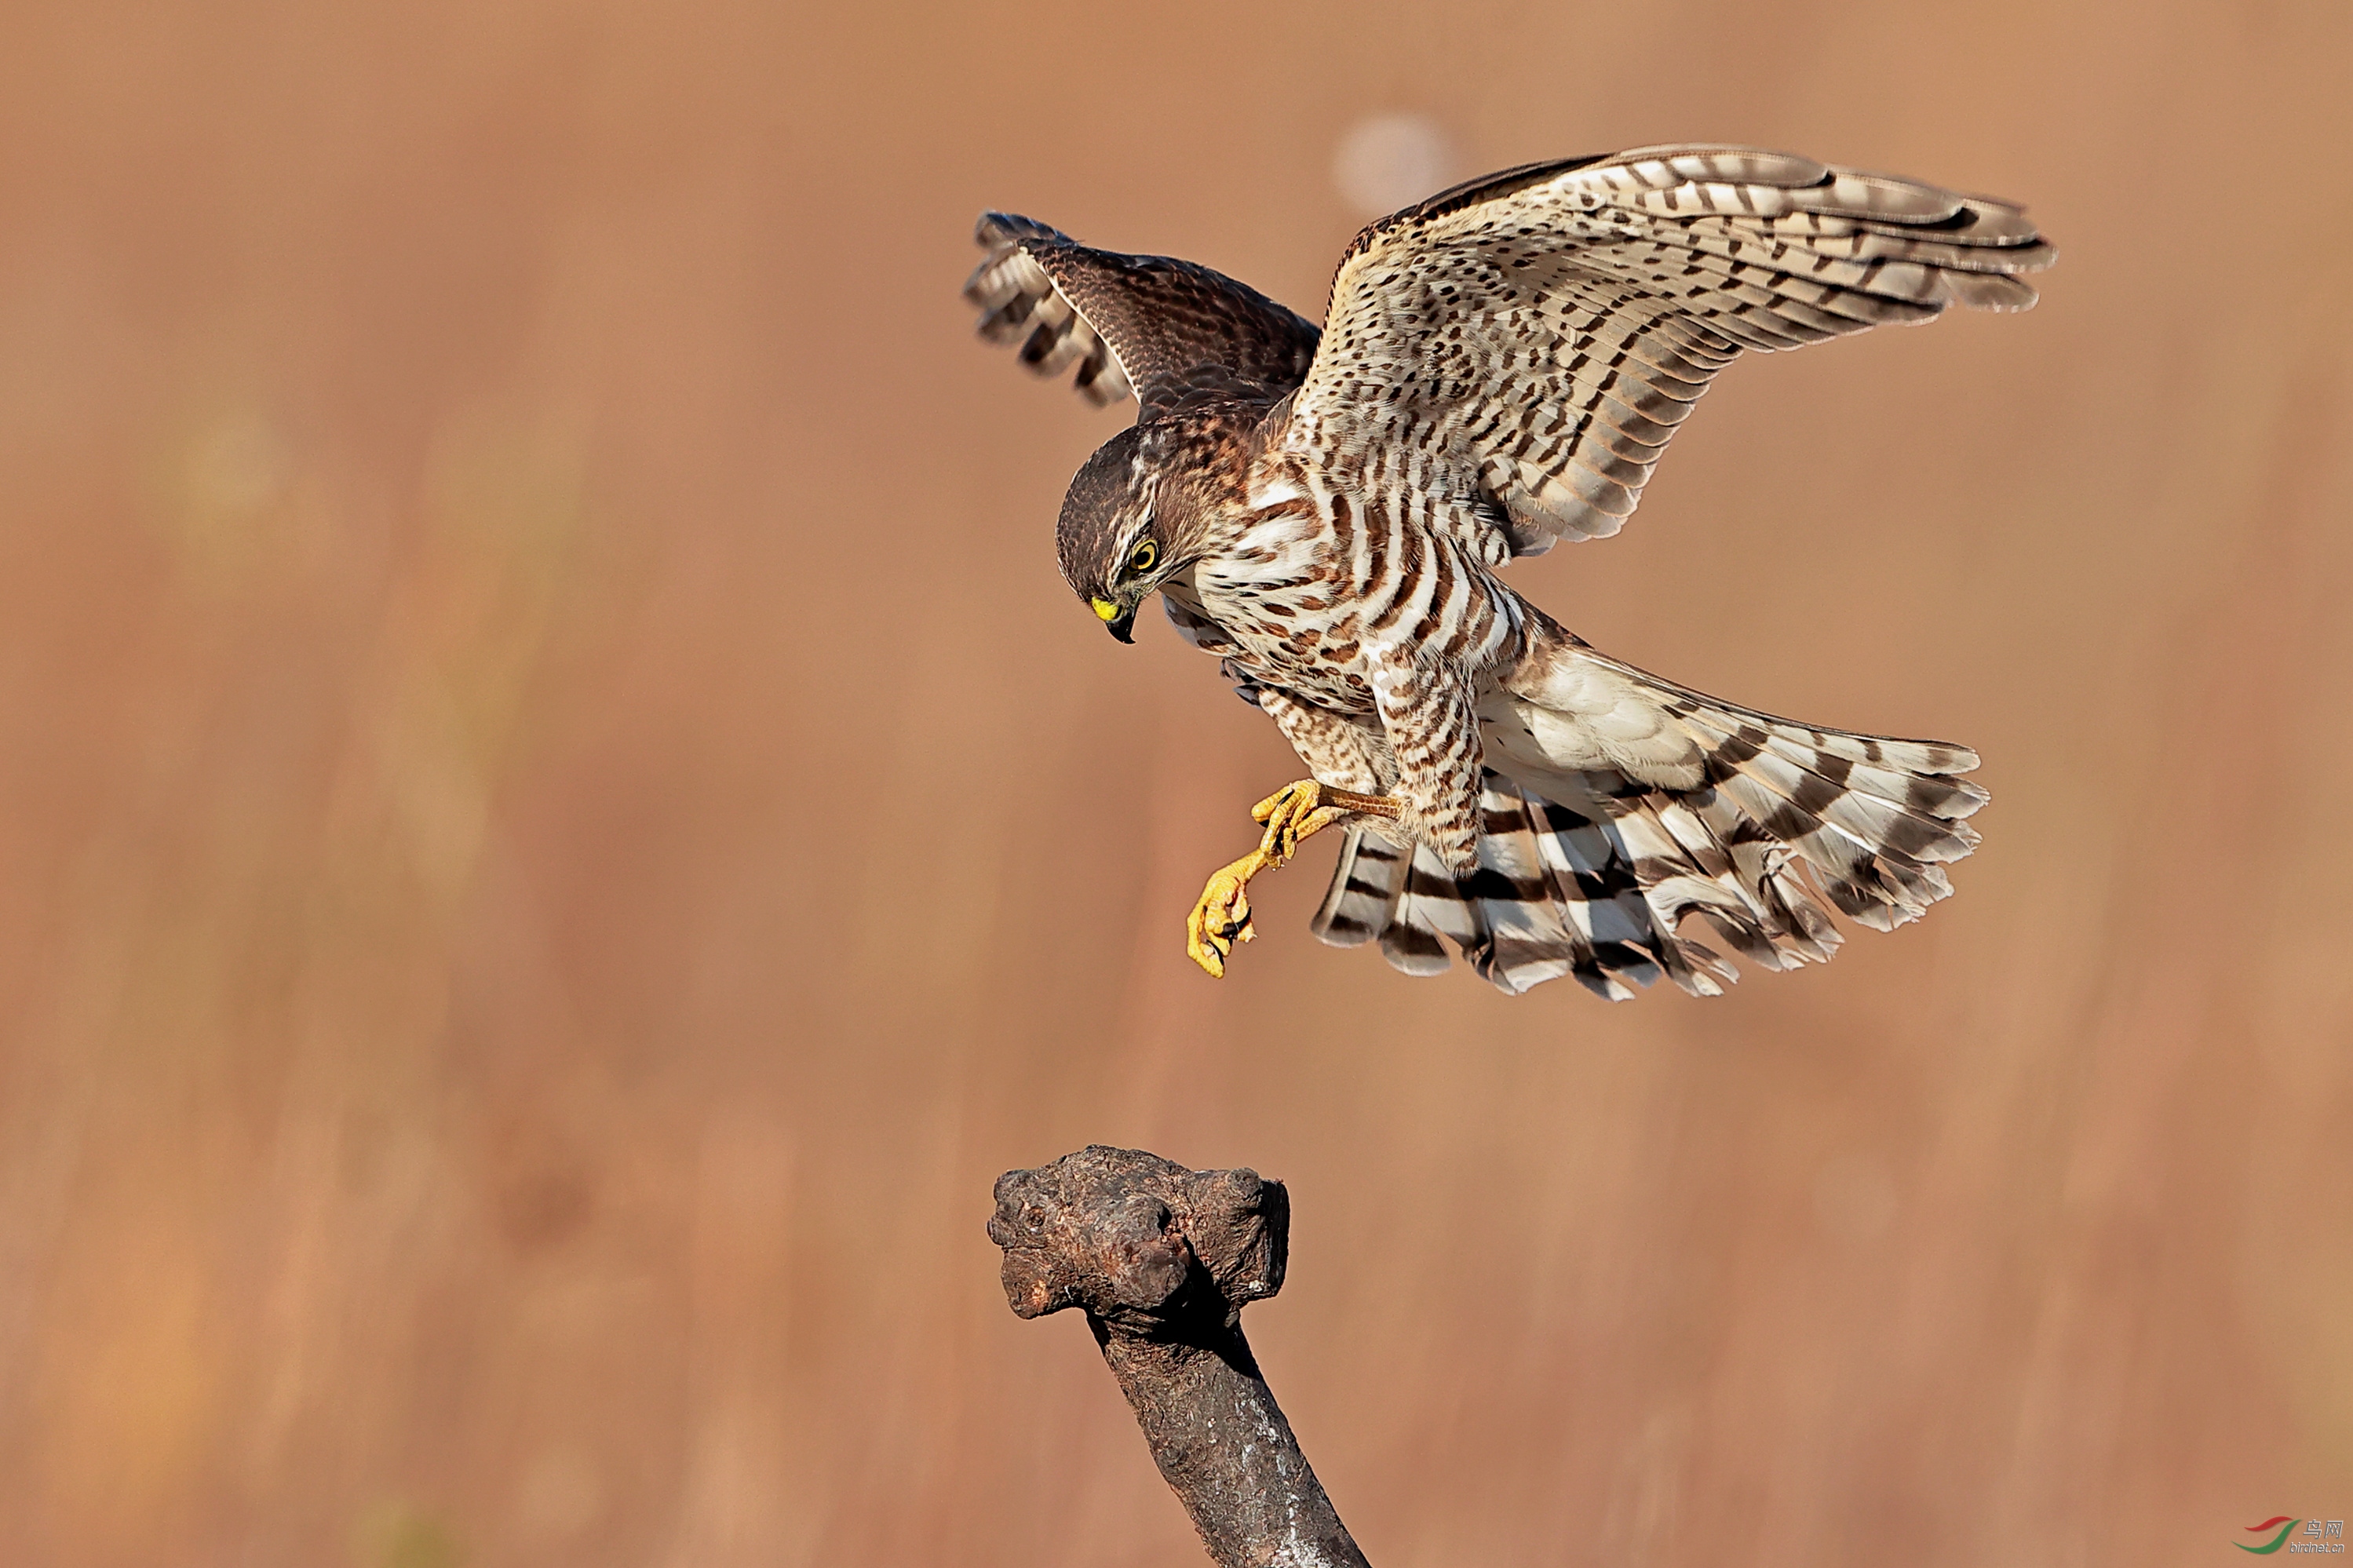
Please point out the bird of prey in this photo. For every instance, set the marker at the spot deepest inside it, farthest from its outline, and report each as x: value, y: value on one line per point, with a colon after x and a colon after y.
x: 1330, y: 514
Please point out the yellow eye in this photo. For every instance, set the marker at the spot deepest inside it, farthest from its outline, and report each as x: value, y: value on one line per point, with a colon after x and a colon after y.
x: 1140, y: 559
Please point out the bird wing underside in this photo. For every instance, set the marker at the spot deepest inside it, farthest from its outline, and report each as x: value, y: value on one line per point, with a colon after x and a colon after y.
x: 1146, y: 326
x: 1536, y: 337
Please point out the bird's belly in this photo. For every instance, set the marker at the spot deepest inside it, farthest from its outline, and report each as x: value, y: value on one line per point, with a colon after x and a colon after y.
x: 1276, y: 654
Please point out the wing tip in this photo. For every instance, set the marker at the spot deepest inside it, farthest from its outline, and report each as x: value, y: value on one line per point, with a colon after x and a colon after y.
x: 993, y: 230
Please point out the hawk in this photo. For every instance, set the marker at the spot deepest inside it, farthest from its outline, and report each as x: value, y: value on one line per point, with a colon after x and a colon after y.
x: 1330, y: 512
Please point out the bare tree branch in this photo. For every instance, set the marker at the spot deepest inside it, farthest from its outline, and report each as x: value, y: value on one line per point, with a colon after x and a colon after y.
x: 1162, y: 1259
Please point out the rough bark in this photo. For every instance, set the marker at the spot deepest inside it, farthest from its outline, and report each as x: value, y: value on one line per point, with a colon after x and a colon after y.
x: 1162, y: 1260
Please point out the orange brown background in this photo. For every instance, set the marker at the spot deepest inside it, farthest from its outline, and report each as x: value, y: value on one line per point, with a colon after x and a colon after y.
x: 557, y: 828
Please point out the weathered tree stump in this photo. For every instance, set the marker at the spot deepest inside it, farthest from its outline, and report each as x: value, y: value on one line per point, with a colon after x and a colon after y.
x: 1162, y: 1260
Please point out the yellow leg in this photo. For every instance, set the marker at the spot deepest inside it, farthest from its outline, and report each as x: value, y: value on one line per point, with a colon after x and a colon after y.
x: 1292, y: 814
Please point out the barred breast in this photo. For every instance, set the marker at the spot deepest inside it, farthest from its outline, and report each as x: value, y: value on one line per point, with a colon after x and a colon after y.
x: 1316, y: 571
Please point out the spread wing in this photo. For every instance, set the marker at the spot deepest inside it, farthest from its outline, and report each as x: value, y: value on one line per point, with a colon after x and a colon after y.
x: 1145, y: 325
x: 1541, y: 332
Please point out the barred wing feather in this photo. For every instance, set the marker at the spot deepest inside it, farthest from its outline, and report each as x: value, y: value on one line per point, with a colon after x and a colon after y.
x: 1146, y: 326
x: 1538, y: 335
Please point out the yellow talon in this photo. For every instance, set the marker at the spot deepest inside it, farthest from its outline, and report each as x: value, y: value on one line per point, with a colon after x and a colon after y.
x: 1292, y: 814
x: 1221, y: 918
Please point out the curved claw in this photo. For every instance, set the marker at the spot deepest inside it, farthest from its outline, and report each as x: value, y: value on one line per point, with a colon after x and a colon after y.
x: 1292, y: 814
x: 1221, y: 917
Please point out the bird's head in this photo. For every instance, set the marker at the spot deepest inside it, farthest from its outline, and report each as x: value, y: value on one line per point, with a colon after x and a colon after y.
x: 1114, y: 537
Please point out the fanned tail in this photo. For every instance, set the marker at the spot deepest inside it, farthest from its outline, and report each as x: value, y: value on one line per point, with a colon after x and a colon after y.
x: 1786, y: 816
x: 1556, y: 893
x: 1875, y: 819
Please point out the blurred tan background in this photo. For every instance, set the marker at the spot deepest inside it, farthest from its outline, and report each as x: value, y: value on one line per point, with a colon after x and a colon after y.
x: 558, y: 828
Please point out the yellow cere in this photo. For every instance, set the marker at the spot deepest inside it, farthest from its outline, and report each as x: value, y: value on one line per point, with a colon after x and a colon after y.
x: 1105, y: 609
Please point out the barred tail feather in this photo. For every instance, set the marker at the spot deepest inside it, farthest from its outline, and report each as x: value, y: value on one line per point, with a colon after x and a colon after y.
x: 1555, y: 893
x: 1357, y: 905
x: 1785, y: 817
x: 1875, y: 819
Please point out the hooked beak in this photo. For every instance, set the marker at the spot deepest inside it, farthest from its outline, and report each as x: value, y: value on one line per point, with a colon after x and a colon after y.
x: 1120, y: 622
